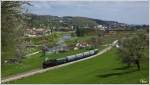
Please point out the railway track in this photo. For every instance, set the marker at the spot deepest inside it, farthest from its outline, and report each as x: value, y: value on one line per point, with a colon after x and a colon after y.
x: 38, y: 71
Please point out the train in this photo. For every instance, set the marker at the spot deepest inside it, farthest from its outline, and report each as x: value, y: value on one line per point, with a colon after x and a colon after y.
x: 55, y: 62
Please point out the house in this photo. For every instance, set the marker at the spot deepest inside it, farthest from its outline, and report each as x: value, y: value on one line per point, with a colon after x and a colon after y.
x: 101, y: 27
x: 81, y: 44
x: 37, y: 32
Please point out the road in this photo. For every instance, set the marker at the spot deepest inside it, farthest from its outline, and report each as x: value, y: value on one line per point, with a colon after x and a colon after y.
x: 37, y: 71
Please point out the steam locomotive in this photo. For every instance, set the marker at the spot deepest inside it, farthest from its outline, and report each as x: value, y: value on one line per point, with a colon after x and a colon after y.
x: 54, y: 62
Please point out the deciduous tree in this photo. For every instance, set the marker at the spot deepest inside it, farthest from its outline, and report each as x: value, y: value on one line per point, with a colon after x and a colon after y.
x: 132, y: 48
x: 12, y: 28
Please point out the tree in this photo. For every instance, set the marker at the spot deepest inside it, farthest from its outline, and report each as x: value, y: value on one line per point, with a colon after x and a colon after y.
x: 78, y: 33
x: 101, y: 33
x: 95, y: 42
x: 132, y: 48
x: 12, y: 28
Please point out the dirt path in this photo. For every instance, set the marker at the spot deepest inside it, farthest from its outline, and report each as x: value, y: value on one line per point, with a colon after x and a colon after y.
x: 32, y: 53
x: 37, y: 71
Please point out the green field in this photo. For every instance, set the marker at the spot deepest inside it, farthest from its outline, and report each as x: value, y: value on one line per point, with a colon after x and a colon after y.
x: 105, y: 68
x: 33, y: 62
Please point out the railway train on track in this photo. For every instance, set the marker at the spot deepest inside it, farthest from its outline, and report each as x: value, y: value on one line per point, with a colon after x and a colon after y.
x: 54, y: 62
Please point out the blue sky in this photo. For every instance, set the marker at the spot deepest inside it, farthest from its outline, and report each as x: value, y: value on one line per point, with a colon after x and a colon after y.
x: 130, y: 12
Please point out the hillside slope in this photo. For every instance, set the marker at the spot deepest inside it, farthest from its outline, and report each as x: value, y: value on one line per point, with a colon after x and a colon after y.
x: 101, y: 69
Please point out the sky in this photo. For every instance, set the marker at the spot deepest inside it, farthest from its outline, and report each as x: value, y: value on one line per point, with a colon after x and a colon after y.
x: 130, y: 12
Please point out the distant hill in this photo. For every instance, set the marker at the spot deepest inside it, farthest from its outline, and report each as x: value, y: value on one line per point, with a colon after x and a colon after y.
x: 69, y: 21
x: 38, y: 20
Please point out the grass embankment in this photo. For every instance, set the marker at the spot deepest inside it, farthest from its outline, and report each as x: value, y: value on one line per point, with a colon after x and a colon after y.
x: 33, y: 62
x: 105, y: 68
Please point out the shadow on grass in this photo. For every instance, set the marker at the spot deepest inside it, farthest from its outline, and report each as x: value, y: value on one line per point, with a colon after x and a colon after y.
x: 116, y: 73
x: 122, y: 68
